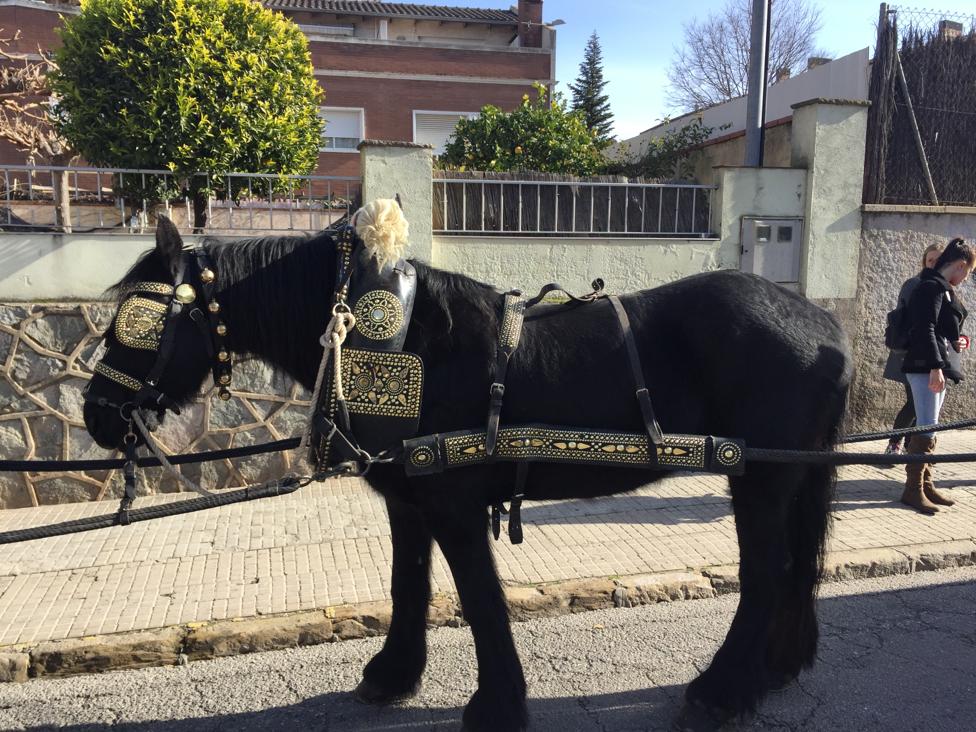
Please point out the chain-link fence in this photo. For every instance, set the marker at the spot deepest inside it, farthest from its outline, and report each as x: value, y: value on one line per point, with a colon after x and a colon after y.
x: 922, y: 121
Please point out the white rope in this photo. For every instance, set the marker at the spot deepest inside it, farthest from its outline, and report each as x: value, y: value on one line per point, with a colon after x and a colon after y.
x: 331, y: 341
x: 158, y: 452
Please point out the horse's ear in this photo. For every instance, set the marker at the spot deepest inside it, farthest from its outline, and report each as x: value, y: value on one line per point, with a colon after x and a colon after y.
x: 169, y: 244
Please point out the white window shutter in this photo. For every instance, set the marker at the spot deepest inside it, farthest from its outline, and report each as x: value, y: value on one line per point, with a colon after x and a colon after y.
x: 435, y: 128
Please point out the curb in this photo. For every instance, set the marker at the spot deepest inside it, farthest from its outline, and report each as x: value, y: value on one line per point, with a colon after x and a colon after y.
x: 180, y: 644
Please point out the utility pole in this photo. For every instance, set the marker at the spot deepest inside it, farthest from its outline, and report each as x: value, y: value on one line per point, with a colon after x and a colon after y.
x: 756, y: 101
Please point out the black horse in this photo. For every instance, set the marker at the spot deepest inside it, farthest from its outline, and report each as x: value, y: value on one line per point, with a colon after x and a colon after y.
x: 723, y: 353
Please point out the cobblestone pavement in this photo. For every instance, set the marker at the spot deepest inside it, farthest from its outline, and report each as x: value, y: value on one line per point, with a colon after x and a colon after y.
x: 329, y: 544
x: 896, y: 654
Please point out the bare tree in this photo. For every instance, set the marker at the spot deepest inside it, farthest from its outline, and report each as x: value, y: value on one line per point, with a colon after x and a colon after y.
x: 25, y: 120
x: 712, y: 64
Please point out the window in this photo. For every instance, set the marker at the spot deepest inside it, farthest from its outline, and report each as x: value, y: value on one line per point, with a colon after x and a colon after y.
x: 326, y: 32
x: 344, y: 128
x: 436, y: 128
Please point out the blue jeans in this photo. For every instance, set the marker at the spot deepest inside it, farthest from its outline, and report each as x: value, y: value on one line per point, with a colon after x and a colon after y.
x: 927, y: 404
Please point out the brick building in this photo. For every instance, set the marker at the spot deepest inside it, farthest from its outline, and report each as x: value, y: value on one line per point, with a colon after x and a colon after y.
x: 391, y: 71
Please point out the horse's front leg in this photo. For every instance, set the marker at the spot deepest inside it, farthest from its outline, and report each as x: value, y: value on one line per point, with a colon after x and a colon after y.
x: 394, y: 673
x: 499, y: 703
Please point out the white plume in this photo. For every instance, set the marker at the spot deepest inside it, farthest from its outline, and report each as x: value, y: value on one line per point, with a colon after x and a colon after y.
x: 384, y: 230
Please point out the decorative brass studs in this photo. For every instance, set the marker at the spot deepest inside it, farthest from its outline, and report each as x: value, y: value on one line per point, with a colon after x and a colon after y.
x: 728, y: 454
x: 225, y: 379
x: 140, y: 322
x: 379, y: 315
x: 207, y: 276
x: 186, y: 293
x: 223, y: 356
x: 214, y: 307
x: 221, y: 329
x: 422, y: 456
x: 224, y: 395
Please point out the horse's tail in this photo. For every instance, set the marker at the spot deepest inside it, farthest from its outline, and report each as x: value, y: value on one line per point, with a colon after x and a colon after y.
x: 810, y: 514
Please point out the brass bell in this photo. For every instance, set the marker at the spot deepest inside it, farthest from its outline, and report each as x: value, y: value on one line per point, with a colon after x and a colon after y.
x: 221, y: 329
x: 186, y: 294
x: 207, y: 276
x: 224, y: 395
x: 223, y: 356
x: 225, y: 379
x: 214, y: 307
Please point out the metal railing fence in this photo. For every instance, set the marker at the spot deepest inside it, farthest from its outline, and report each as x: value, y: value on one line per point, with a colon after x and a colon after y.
x: 83, y: 199
x: 570, y: 207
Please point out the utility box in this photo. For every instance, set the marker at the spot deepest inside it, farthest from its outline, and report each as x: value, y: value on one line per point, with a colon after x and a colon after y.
x: 772, y: 247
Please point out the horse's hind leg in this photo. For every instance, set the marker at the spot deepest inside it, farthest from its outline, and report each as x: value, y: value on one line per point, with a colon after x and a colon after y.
x: 498, y: 705
x: 739, y: 676
x: 394, y: 672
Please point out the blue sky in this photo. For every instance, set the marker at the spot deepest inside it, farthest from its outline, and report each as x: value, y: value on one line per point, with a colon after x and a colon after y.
x: 638, y: 39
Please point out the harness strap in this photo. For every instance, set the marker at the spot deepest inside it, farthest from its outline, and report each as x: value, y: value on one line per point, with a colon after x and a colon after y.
x: 643, y: 396
x: 597, y: 293
x: 167, y: 343
x: 514, y: 512
x: 510, y: 332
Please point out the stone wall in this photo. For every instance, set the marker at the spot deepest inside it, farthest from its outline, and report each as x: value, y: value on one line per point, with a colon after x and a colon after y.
x: 44, y: 364
x: 892, y: 242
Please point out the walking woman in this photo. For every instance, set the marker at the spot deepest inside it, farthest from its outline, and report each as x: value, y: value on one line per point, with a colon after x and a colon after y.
x: 892, y: 370
x: 936, y: 316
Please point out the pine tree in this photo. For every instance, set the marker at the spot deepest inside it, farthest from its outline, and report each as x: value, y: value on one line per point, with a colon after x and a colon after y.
x: 588, y: 95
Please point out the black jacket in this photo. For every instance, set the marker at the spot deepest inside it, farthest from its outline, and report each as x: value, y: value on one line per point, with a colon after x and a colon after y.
x: 935, y: 315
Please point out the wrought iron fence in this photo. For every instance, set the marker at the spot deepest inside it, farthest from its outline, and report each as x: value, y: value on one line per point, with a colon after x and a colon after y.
x: 922, y: 120
x: 513, y: 207
x: 83, y: 199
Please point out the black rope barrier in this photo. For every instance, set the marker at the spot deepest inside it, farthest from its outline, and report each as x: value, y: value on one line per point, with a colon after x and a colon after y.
x: 279, y: 487
x: 908, y: 431
x: 64, y: 466
x: 831, y: 457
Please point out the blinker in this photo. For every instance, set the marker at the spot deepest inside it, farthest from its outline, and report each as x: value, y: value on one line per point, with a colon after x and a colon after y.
x: 186, y: 294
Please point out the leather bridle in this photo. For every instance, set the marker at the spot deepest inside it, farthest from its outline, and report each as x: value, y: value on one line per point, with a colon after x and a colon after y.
x: 147, y: 320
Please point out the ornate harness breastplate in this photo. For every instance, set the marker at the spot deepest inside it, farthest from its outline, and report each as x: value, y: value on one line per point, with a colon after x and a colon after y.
x: 382, y: 384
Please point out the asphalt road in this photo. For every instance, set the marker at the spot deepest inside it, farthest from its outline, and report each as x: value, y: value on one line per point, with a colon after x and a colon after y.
x: 897, y: 653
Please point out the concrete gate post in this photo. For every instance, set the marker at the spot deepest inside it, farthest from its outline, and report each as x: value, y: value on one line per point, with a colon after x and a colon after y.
x: 404, y: 168
x: 828, y: 141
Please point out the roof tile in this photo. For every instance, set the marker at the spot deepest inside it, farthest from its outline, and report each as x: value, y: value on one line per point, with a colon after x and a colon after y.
x: 398, y: 10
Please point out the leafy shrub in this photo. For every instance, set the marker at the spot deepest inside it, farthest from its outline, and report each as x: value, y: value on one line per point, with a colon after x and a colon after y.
x: 537, y: 135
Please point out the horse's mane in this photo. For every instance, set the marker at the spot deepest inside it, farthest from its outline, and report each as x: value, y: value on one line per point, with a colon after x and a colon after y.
x: 454, y: 309
x: 296, y: 281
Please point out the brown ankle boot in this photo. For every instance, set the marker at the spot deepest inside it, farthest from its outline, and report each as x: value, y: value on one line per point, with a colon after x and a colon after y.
x: 928, y: 485
x: 914, y: 493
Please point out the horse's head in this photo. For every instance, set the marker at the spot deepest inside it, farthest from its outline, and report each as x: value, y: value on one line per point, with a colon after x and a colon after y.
x: 162, y: 342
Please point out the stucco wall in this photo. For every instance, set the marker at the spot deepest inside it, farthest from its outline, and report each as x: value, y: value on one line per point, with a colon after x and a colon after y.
x: 892, y: 243
x: 623, y: 264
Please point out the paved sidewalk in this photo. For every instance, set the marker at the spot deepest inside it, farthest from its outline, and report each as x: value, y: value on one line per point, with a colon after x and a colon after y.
x: 329, y: 545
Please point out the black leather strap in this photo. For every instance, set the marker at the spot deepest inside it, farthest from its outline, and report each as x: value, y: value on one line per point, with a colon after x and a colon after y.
x: 167, y: 342
x: 597, y: 293
x: 509, y: 334
x: 643, y: 396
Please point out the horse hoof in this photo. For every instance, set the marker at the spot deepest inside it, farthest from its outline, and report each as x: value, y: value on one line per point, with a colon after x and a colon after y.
x: 695, y: 717
x: 370, y: 693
